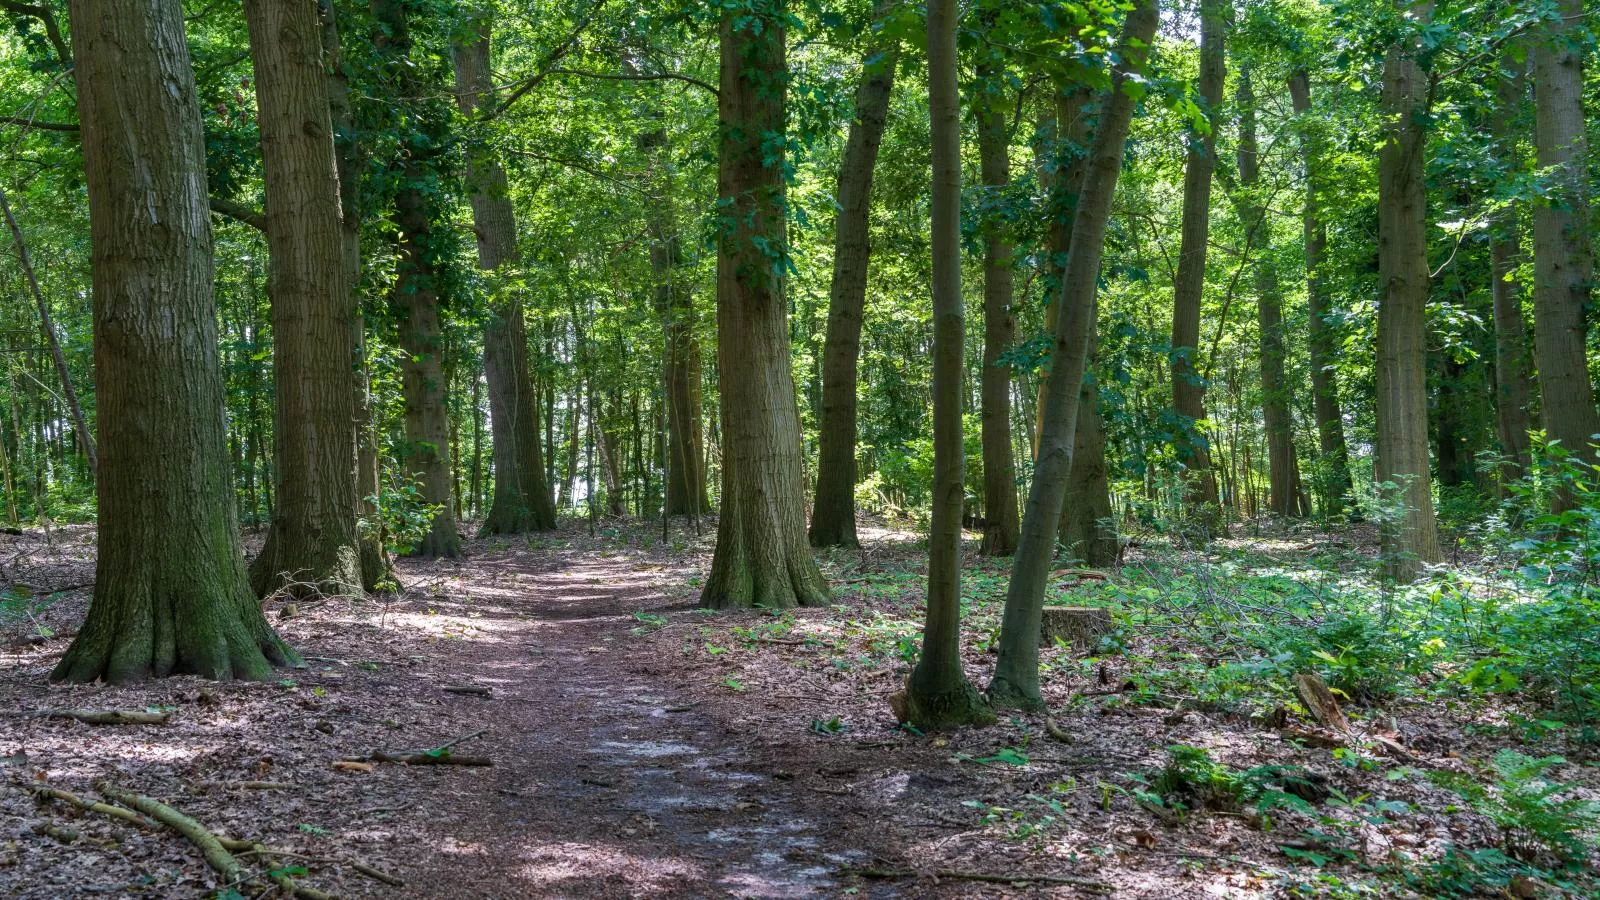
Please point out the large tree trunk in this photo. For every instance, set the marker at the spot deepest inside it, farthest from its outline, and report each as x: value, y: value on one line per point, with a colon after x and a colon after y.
x: 426, y: 456
x: 1335, y: 463
x: 762, y: 558
x: 938, y: 694
x: 171, y: 595
x: 999, y: 331
x: 1016, y: 676
x: 521, y: 496
x: 1410, y: 536
x: 1563, y: 263
x: 1286, y: 496
x: 311, y: 545
x: 833, y: 513
x: 1188, y: 387
x: 1513, y: 388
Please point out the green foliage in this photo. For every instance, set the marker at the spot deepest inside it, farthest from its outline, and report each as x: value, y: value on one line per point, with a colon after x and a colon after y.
x: 1539, y: 818
x: 404, y: 516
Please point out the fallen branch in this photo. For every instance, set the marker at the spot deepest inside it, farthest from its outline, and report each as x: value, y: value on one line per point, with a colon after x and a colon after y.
x: 127, y: 815
x: 106, y: 716
x: 428, y: 759
x: 473, y: 689
x: 988, y: 877
x: 216, y: 856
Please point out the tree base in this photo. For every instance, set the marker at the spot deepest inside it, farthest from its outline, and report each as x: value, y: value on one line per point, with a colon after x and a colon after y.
x: 1003, y: 694
x: 741, y: 584
x: 998, y: 541
x: 441, y: 542
x: 301, y: 572
x: 514, y: 519
x: 837, y: 534
x: 952, y: 707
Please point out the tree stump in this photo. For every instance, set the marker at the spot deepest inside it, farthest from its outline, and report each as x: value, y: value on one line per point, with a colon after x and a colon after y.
x: 1079, y: 627
x: 1319, y: 701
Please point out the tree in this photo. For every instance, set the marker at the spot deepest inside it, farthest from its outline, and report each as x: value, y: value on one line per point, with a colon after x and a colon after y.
x: 1087, y: 530
x: 833, y: 512
x: 999, y: 328
x: 1188, y: 387
x: 1410, y: 536
x: 762, y: 558
x: 171, y: 595
x: 1320, y: 342
x: 521, y: 495
x: 1513, y: 388
x: 938, y: 694
x: 1016, y: 676
x: 426, y: 456
x: 1563, y: 261
x: 311, y: 545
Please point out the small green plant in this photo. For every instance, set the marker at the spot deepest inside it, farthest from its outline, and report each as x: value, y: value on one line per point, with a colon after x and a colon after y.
x: 1539, y: 820
x: 831, y: 725
x: 403, y: 517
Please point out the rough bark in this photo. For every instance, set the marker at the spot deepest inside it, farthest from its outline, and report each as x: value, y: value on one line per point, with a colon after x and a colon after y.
x: 1188, y: 387
x: 999, y: 332
x: 1410, y: 535
x: 521, y: 496
x: 1285, y: 496
x: 833, y: 512
x: 1563, y: 260
x: 1016, y: 677
x: 762, y: 558
x: 938, y: 694
x: 1513, y: 388
x: 311, y: 545
x: 425, y: 458
x: 1335, y: 462
x: 171, y: 595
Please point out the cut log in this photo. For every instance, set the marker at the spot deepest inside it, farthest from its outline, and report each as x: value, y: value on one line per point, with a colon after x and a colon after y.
x: 1079, y: 627
x: 1319, y: 701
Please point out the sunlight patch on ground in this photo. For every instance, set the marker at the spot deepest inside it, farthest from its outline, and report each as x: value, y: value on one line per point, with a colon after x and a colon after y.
x: 556, y: 862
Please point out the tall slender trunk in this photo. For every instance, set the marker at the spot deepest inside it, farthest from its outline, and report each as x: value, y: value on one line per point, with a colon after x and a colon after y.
x: 999, y: 331
x: 1087, y: 529
x: 1188, y: 386
x: 761, y: 558
x: 833, y: 512
x: 521, y: 496
x: 1513, y: 388
x: 1335, y: 463
x: 170, y: 595
x: 1410, y: 536
x: 1563, y: 261
x: 1283, y: 467
x: 1016, y: 677
x: 938, y: 694
x: 311, y: 545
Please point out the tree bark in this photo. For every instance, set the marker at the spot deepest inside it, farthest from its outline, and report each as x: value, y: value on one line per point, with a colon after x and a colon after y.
x: 426, y: 456
x: 1016, y: 677
x: 1513, y: 387
x: 833, y: 512
x: 1563, y: 261
x: 1410, y: 535
x: 1087, y: 529
x: 938, y: 694
x: 1188, y: 387
x: 311, y: 545
x: 1335, y: 462
x: 171, y: 595
x: 999, y: 331
x: 521, y: 495
x: 1285, y: 497
x: 762, y: 558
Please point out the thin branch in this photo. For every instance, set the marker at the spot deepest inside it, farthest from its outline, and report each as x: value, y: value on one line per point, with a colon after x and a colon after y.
x: 545, y: 67
x: 240, y: 213
x: 71, y: 127
x: 643, y: 76
x: 52, y: 31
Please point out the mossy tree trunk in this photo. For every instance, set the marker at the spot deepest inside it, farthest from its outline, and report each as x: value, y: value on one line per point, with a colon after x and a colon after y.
x: 1016, y: 677
x: 521, y: 496
x: 311, y: 545
x: 999, y: 325
x: 171, y: 595
x: 938, y: 694
x: 762, y: 558
x: 833, y: 511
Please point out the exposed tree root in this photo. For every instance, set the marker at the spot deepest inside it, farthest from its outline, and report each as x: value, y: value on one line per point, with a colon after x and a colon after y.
x: 127, y: 815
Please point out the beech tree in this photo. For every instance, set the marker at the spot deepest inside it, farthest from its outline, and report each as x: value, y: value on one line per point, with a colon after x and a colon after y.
x: 171, y: 595
x: 1513, y: 386
x: 999, y: 328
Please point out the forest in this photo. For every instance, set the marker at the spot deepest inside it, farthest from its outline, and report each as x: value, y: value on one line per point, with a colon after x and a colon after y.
x: 776, y: 448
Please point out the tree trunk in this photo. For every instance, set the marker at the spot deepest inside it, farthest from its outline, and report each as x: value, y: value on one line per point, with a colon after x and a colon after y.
x: 1283, y: 468
x: 521, y: 496
x: 1451, y: 457
x: 171, y: 595
x: 1410, y: 536
x: 311, y: 545
x: 1188, y: 387
x: 999, y: 330
x: 1087, y: 529
x: 1562, y: 258
x: 1513, y: 389
x: 1016, y: 677
x: 938, y: 694
x: 1335, y: 464
x: 833, y: 513
x: 426, y: 456
x: 761, y: 558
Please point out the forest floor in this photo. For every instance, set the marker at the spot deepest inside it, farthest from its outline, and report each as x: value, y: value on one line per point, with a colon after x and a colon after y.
x: 643, y: 747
